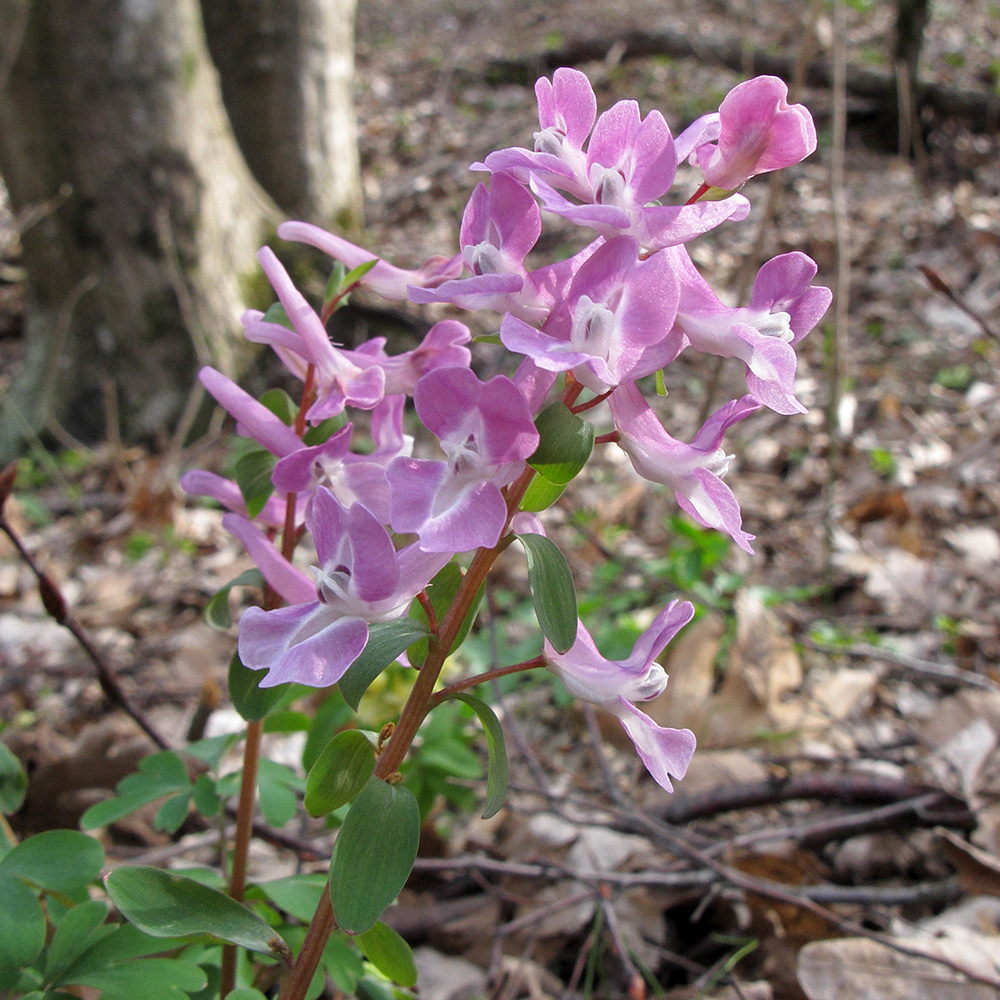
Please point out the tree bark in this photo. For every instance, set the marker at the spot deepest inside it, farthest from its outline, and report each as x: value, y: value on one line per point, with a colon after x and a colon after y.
x: 287, y: 69
x: 111, y: 116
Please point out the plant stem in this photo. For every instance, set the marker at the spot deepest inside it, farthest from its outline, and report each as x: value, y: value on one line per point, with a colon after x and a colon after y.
x: 414, y: 711
x: 255, y: 730
x: 489, y: 675
x: 241, y: 842
x: 323, y: 923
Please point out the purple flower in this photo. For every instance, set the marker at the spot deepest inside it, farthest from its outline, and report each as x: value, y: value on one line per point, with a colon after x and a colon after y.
x: 628, y: 166
x: 198, y: 482
x: 253, y: 419
x: 361, y: 579
x: 693, y: 471
x: 567, y: 108
x: 288, y: 581
x: 783, y: 308
x: 759, y: 131
x: 350, y: 477
x: 630, y: 163
x: 339, y: 381
x: 442, y: 347
x: 486, y: 431
x: 616, y: 684
x: 385, y: 279
x: 615, y: 323
x: 500, y: 225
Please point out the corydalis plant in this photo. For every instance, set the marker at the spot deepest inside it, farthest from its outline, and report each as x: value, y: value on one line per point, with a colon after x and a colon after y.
x: 405, y: 534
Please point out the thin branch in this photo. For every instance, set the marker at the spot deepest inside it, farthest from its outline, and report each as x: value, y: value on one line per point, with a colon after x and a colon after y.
x: 55, y: 604
x: 944, y: 673
x: 827, y: 786
x: 941, y: 286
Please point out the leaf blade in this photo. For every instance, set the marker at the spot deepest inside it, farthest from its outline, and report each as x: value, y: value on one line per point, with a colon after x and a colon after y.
x: 553, y: 592
x: 164, y: 904
x: 374, y: 854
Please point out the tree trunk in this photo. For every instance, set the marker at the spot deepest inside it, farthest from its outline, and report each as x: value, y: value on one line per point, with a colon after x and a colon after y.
x: 112, y: 118
x: 287, y: 69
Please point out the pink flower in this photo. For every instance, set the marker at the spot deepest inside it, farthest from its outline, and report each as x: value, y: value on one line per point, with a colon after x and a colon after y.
x: 616, y: 684
x: 361, y: 578
x: 384, y: 278
x: 759, y: 131
x: 693, y: 471
x: 614, y: 324
x: 783, y: 308
x: 486, y: 431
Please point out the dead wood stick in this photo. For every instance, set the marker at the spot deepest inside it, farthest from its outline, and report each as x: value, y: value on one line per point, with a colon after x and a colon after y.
x: 979, y: 108
x: 827, y: 786
x: 944, y: 288
x: 915, y: 811
x: 788, y: 895
x: 55, y: 604
x: 943, y: 673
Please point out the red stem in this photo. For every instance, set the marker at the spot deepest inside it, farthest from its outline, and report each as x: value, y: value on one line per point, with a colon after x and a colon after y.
x: 704, y: 189
x: 489, y: 675
x: 414, y: 711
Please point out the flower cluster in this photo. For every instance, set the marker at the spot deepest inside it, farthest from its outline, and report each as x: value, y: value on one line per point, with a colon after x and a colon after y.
x: 385, y: 520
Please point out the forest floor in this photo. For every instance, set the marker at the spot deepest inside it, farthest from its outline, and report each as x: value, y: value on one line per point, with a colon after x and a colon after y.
x: 843, y: 682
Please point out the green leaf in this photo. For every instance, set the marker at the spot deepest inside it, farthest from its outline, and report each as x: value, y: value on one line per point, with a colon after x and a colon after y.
x: 22, y: 926
x: 541, y: 494
x: 249, y: 699
x: 216, y: 613
x: 159, y: 774
x: 288, y: 720
x: 171, y: 815
x: 357, y: 273
x: 324, y: 430
x: 205, y: 797
x: 496, y: 780
x: 58, y: 860
x: 335, y: 282
x: 296, y: 895
x: 277, y: 785
x: 340, y: 772
x: 565, y: 444
x: 552, y: 591
x: 343, y: 963
x: 280, y: 404
x: 165, y: 904
x: 149, y: 978
x: 13, y: 781
x: 245, y: 993
x: 74, y: 936
x: 212, y: 749
x: 253, y: 476
x: 374, y: 854
x: 389, y: 953
x: 276, y: 314
x: 386, y: 640
x: 123, y: 943
x: 332, y: 714
x: 441, y: 592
